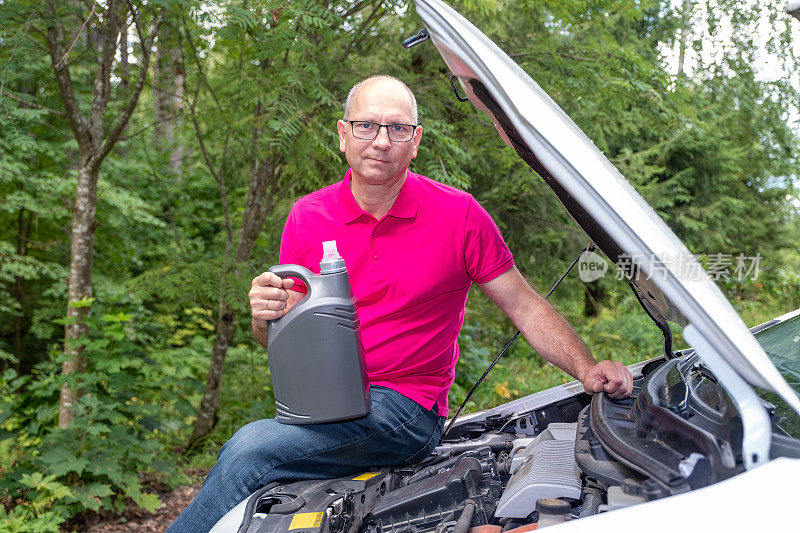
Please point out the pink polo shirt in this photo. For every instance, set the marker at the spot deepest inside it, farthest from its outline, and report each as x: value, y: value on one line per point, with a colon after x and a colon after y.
x: 410, y: 272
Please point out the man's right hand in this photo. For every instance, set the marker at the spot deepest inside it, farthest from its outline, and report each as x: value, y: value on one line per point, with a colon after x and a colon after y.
x: 269, y: 297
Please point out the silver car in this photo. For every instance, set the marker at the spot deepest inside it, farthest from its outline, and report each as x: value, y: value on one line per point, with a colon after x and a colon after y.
x: 709, y: 437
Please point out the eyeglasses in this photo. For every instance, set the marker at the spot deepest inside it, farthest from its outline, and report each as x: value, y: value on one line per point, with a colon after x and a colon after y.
x: 366, y: 130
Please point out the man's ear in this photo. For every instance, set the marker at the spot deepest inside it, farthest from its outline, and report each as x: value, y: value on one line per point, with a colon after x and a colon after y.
x: 415, y: 141
x: 341, y: 127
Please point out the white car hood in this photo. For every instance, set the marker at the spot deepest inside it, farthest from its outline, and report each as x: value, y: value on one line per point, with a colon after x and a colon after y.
x: 599, y: 198
x: 794, y: 9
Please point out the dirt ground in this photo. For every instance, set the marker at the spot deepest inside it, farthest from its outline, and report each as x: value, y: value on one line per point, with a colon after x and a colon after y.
x: 135, y: 520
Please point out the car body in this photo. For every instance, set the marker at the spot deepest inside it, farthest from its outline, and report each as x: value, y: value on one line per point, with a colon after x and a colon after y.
x: 700, y: 436
x: 794, y: 9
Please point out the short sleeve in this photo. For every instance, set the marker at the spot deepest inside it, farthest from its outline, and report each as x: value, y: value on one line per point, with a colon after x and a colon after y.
x: 288, y: 252
x: 486, y: 254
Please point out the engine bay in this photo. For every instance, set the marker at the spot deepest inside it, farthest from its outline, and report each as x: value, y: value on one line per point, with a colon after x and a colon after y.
x: 573, y: 458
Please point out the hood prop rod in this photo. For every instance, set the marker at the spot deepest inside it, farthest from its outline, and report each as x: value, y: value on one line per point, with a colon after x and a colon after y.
x: 420, y: 37
x: 589, y: 248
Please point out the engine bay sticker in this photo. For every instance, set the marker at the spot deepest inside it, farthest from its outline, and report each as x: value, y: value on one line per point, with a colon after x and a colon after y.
x: 305, y: 521
x: 365, y: 476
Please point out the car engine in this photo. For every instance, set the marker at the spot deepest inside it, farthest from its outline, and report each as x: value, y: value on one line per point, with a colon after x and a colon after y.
x: 570, y: 459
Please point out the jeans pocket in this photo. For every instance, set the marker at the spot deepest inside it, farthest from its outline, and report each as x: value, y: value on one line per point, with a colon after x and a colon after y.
x: 432, y: 442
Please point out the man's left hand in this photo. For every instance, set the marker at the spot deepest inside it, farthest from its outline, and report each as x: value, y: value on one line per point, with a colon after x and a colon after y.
x: 611, y: 377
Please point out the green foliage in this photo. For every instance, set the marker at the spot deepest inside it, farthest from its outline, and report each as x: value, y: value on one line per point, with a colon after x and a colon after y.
x: 95, y: 462
x: 246, y: 393
x: 34, y: 183
x: 715, y: 153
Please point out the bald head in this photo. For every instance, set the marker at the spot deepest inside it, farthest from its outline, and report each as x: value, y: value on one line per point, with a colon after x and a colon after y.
x: 389, y: 81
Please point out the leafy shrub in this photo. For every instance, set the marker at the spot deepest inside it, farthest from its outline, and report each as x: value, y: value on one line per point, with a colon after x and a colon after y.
x: 49, y: 473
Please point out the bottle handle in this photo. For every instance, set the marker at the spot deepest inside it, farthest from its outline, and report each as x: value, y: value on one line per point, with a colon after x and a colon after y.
x: 296, y: 271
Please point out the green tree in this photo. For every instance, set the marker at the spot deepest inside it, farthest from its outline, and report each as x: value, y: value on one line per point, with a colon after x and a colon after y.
x: 96, y: 130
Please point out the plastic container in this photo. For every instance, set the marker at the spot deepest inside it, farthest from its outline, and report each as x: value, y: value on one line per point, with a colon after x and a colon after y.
x: 552, y: 511
x: 315, y: 353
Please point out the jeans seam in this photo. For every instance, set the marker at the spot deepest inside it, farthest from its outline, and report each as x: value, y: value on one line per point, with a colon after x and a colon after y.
x: 430, y: 439
x: 329, y: 450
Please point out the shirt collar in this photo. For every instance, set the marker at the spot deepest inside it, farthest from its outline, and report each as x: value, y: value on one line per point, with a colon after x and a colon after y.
x: 405, y: 206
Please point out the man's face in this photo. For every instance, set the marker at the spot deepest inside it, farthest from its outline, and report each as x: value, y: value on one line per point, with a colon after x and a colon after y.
x: 379, y: 161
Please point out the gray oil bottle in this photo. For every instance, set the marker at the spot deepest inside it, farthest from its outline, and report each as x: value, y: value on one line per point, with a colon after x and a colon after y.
x: 315, y: 354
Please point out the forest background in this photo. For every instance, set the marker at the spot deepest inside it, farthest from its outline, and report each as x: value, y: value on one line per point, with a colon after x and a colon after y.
x: 150, y: 151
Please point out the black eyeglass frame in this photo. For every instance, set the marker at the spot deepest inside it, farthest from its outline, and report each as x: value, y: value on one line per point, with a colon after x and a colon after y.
x: 412, y: 126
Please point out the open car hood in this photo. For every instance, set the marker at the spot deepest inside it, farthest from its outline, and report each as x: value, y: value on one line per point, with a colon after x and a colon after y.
x: 602, y: 202
x: 794, y: 9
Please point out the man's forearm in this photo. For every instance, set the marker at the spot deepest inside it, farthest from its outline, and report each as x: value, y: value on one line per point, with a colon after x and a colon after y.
x: 259, y: 332
x: 554, y: 338
x: 543, y: 327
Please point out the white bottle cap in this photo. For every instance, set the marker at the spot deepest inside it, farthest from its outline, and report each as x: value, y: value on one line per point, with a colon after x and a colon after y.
x: 329, y: 251
x: 331, y: 260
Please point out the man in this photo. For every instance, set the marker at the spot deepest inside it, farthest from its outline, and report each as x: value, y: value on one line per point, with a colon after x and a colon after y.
x: 413, y: 247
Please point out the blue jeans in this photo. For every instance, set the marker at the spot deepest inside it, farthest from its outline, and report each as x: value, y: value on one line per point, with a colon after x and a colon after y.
x: 397, y: 431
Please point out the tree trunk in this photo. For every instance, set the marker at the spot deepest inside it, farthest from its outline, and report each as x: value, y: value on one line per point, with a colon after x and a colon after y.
x: 168, y: 85
x: 591, y: 297
x: 263, y: 179
x: 124, y: 62
x: 686, y: 12
x: 206, y: 416
x: 80, y: 285
x: 96, y: 135
x: 23, y: 235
